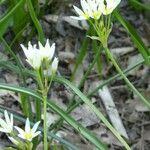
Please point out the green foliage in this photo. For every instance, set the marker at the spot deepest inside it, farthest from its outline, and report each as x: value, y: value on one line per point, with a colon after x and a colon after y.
x: 23, y: 13
x: 139, y: 5
x: 135, y: 36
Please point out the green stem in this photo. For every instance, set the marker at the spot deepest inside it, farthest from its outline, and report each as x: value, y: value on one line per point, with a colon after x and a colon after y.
x: 39, y: 80
x: 98, y: 61
x: 44, y: 95
x: 131, y: 86
x: 45, y: 122
x: 29, y: 145
x: 47, y: 87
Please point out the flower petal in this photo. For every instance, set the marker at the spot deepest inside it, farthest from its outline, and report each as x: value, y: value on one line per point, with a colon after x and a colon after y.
x: 3, y: 123
x: 35, y: 127
x: 36, y: 133
x: 7, y: 117
x: 27, y: 126
x: 3, y: 130
x: 21, y: 132
x: 79, y: 12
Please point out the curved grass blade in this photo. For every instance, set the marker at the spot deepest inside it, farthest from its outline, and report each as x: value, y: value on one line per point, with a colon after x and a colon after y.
x: 7, y: 18
x: 140, y: 5
x: 93, y: 108
x: 135, y: 37
x: 83, y: 131
x: 35, y: 21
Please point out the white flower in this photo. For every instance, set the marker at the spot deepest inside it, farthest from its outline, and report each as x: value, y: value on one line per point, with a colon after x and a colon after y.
x: 91, y: 9
x: 54, y: 65
x: 47, y: 51
x: 33, y: 55
x: 109, y: 5
x: 29, y: 133
x: 7, y: 125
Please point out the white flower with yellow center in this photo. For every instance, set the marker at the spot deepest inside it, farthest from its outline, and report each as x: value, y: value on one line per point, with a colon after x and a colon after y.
x: 108, y: 6
x: 33, y: 55
x: 7, y: 125
x: 90, y: 9
x: 29, y: 133
x: 47, y: 51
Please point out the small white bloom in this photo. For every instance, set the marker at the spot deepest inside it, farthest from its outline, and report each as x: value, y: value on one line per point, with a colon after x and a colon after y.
x: 91, y: 9
x: 33, y: 55
x: 14, y: 141
x: 54, y: 65
x: 47, y: 51
x: 109, y: 6
x: 29, y: 133
x: 7, y: 125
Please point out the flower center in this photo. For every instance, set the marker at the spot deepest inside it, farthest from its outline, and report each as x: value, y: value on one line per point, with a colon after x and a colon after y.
x: 28, y: 136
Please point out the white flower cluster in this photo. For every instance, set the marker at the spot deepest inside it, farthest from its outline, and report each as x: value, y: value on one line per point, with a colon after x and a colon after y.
x: 35, y: 56
x: 95, y: 8
x: 7, y: 127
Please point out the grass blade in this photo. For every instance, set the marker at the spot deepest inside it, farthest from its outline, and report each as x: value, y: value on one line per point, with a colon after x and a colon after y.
x: 135, y: 37
x: 85, y: 132
x: 140, y: 5
x: 93, y: 108
x: 35, y: 21
x: 7, y: 18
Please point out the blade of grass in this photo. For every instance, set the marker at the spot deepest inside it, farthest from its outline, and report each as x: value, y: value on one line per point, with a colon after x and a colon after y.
x: 18, y: 61
x: 83, y: 131
x: 25, y: 102
x: 93, y: 108
x: 35, y: 21
x: 72, y: 101
x: 106, y: 82
x: 99, y: 63
x: 7, y: 18
x: 19, y: 18
x: 135, y: 36
x: 140, y: 5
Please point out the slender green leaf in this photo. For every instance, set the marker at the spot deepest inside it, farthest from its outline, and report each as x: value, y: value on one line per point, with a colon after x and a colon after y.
x: 7, y: 18
x: 35, y: 21
x: 93, y: 108
x: 83, y: 131
x: 20, y: 17
x: 140, y: 5
x: 135, y: 36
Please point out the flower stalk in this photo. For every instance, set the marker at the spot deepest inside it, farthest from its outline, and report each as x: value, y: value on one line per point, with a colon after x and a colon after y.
x: 41, y: 60
x: 130, y: 85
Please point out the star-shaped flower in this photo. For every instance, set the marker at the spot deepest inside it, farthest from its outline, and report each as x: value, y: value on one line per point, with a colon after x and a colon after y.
x: 33, y: 55
x: 90, y: 9
x: 29, y: 133
x: 7, y: 125
x: 47, y: 51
